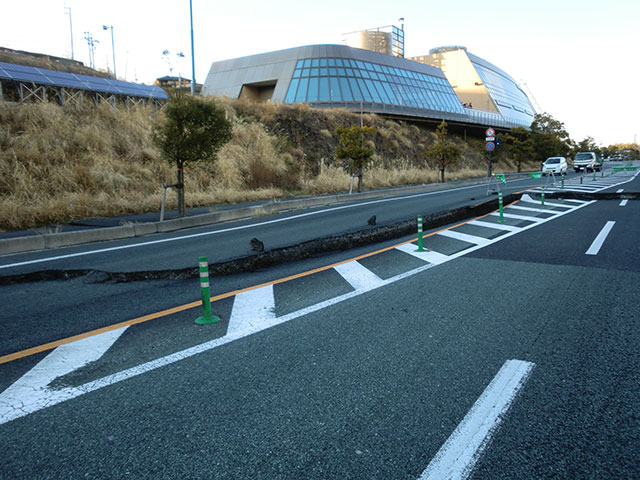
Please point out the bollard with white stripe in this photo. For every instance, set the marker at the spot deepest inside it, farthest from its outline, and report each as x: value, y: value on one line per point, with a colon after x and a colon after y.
x: 206, y: 317
x: 542, y: 197
x: 420, y: 247
x: 501, y: 220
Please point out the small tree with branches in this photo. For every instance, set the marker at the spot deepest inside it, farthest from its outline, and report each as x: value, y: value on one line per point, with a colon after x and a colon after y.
x: 352, y: 147
x: 443, y: 151
x: 193, y: 130
x: 519, y: 143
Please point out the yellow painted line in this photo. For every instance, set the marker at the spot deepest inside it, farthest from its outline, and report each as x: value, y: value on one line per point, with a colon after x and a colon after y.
x: 164, y: 313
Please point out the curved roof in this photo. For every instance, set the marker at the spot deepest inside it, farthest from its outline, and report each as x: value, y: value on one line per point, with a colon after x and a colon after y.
x: 337, y: 76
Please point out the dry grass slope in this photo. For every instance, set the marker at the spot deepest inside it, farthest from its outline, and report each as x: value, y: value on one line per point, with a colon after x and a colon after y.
x: 62, y: 164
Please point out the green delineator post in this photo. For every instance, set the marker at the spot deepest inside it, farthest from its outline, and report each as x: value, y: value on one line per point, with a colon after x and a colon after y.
x: 542, y: 197
x: 594, y: 175
x: 420, y: 247
x: 501, y: 220
x: 562, y: 181
x: 206, y: 317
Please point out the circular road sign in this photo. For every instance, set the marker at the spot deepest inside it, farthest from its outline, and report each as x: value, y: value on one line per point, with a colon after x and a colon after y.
x: 490, y: 146
x: 490, y: 132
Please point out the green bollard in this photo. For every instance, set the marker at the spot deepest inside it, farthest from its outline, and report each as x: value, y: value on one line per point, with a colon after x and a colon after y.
x: 542, y: 197
x: 420, y: 247
x: 501, y: 220
x: 206, y: 317
x: 562, y: 186
x: 594, y: 175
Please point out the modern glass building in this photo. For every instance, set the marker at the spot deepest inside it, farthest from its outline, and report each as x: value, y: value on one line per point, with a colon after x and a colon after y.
x: 480, y: 85
x: 338, y: 76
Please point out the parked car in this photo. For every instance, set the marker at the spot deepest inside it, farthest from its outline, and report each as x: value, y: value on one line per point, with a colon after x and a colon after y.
x: 557, y: 165
x: 587, y: 161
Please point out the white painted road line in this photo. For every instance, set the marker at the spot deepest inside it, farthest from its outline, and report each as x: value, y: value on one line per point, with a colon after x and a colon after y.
x: 464, y: 237
x: 620, y: 191
x: 25, y: 396
x: 517, y: 217
x: 497, y: 226
x: 623, y: 203
x: 251, y: 310
x: 431, y: 257
x: 457, y: 457
x: 531, y: 209
x: 602, y: 236
x: 358, y: 276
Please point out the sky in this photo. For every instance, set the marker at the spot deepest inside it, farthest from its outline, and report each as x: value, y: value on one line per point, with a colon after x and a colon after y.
x: 577, y: 60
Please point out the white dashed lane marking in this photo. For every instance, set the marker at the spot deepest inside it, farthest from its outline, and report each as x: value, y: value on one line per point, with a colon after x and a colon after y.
x: 456, y: 458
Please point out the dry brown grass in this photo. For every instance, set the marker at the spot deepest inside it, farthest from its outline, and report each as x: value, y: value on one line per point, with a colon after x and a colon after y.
x: 61, y: 164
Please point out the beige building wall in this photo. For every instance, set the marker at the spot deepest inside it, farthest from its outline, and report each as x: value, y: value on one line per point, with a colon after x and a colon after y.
x: 372, y: 40
x: 462, y: 76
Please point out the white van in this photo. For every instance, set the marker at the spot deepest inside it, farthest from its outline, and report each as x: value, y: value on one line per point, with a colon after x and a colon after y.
x: 587, y: 161
x: 557, y: 165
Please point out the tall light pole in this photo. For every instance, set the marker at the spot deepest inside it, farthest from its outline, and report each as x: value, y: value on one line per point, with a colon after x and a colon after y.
x: 68, y: 10
x: 193, y: 62
x: 113, y: 49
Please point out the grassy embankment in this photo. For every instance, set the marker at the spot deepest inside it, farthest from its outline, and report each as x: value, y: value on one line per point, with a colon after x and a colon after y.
x: 62, y: 164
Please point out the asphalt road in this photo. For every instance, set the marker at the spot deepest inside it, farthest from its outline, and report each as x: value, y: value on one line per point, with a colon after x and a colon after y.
x: 97, y: 303
x: 365, y: 383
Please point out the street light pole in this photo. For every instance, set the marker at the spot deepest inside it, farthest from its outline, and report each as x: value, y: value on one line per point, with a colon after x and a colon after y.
x: 68, y: 9
x: 193, y: 62
x: 113, y: 49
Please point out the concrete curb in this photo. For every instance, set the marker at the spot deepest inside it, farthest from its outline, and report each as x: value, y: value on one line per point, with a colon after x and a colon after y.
x: 78, y: 237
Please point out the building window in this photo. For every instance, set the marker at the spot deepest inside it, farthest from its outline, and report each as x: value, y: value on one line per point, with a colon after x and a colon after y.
x: 318, y: 80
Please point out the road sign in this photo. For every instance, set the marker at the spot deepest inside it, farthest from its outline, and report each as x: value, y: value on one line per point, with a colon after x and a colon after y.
x: 490, y: 132
x: 490, y: 139
x: 490, y: 146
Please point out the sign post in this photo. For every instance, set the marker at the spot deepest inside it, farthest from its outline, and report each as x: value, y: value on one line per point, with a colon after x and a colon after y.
x: 490, y: 134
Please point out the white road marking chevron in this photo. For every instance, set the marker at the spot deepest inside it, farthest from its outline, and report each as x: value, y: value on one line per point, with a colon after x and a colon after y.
x: 497, y: 226
x: 360, y: 277
x: 518, y: 217
x: 465, y: 237
x: 431, y: 257
x: 31, y: 391
x: 251, y: 310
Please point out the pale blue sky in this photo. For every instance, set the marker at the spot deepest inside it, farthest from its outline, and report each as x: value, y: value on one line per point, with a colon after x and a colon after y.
x: 577, y: 58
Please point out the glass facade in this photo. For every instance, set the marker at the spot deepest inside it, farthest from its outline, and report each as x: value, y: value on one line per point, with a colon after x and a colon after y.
x: 340, y: 80
x: 511, y: 100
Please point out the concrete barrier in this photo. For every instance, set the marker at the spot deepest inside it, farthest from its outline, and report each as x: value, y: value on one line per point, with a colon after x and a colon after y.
x: 21, y: 244
x: 63, y: 239
x: 147, y: 228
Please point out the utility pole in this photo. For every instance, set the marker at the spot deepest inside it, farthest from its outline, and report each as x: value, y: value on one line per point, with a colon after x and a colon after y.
x: 92, y: 47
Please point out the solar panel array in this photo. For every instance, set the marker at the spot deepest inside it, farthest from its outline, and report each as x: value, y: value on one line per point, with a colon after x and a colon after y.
x: 41, y: 76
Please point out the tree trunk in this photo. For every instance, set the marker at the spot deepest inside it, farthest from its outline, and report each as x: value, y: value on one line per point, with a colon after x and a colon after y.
x: 182, y: 211
x: 442, y: 174
x: 359, y: 178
